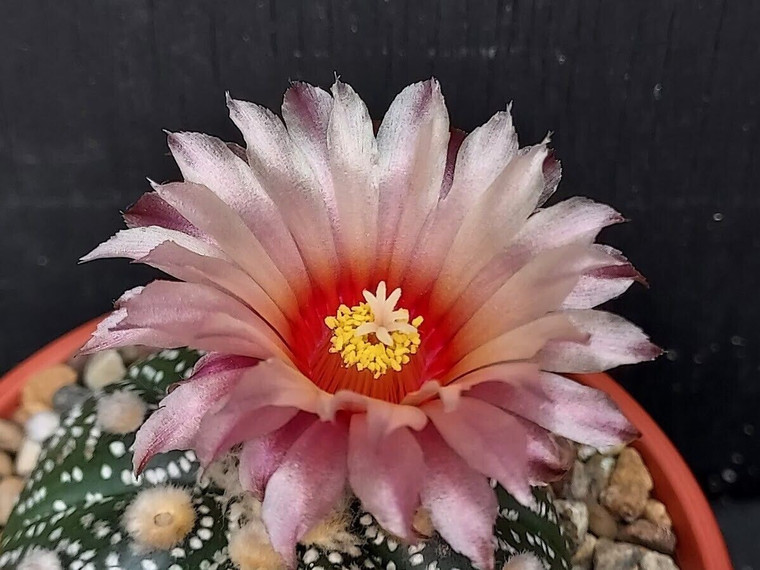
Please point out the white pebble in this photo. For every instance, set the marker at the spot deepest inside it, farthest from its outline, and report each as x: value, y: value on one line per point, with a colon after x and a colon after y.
x: 103, y: 368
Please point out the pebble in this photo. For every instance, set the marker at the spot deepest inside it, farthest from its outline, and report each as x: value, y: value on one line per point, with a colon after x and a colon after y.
x: 586, y: 452
x: 41, y: 426
x: 579, y: 481
x: 573, y: 516
x: 26, y: 458
x: 599, y: 470
x: 6, y: 464
x: 610, y: 555
x: 584, y: 556
x: 37, y: 394
x: 656, y: 512
x: 629, y: 487
x: 68, y: 397
x: 601, y: 522
x: 656, y: 561
x: 11, y: 436
x: 648, y: 534
x: 102, y: 369
x: 10, y: 489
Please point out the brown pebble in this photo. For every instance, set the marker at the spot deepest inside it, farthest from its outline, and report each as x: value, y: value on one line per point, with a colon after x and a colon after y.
x: 37, y: 395
x: 656, y: 512
x: 584, y: 556
x: 6, y: 464
x: 573, y: 518
x: 11, y: 436
x: 601, y: 522
x: 630, y: 469
x: 629, y: 487
x: 609, y: 555
x: 10, y: 488
x: 648, y: 534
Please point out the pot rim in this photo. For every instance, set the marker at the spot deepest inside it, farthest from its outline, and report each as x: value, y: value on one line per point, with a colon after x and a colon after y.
x: 700, y: 541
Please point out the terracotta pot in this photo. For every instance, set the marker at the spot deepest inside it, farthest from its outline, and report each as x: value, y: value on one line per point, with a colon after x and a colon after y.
x: 700, y: 542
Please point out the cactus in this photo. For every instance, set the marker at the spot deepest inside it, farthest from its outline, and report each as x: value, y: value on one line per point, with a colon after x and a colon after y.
x: 83, y: 503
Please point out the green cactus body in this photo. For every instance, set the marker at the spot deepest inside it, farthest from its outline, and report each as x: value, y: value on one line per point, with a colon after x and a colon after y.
x: 75, y: 500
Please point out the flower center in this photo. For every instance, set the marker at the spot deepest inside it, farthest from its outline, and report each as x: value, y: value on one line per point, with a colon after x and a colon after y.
x: 374, y: 336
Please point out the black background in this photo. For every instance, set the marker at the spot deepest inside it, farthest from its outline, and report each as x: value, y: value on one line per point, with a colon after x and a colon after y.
x: 653, y: 105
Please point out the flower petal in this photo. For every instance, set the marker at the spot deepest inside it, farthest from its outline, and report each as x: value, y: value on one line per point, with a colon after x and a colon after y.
x: 489, y: 440
x: 563, y: 407
x: 282, y: 170
x: 412, y: 149
x: 308, y: 485
x: 613, y: 341
x: 135, y: 243
x: 262, y: 456
x: 150, y: 210
x: 385, y: 475
x: 462, y: 504
x: 175, y: 424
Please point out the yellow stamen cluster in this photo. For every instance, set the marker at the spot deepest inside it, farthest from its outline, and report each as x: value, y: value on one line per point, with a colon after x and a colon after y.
x: 366, y: 352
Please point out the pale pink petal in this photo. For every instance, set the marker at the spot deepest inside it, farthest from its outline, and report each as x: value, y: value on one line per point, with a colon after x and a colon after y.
x: 306, y: 110
x: 461, y: 502
x: 235, y: 423
x: 385, y: 475
x: 536, y: 289
x: 382, y: 417
x: 262, y: 456
x: 309, y: 484
x: 188, y: 314
x: 193, y: 267
x: 456, y: 138
x: 412, y: 149
x: 482, y: 156
x: 352, y: 151
x: 522, y: 343
x: 563, y: 407
x: 210, y: 214
x: 604, y: 283
x: 175, y: 424
x: 207, y: 161
x: 135, y: 243
x: 150, y: 210
x: 488, y: 439
x: 549, y: 457
x: 613, y: 341
x: 282, y: 170
x: 491, y: 223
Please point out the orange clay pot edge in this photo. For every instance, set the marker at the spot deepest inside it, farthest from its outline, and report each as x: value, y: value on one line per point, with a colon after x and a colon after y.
x: 700, y: 542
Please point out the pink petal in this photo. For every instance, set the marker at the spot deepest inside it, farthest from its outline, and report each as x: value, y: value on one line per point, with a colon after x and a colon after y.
x: 307, y: 486
x: 235, y: 423
x: 536, y: 289
x: 192, y: 267
x: 261, y: 457
x: 211, y: 215
x: 306, y: 110
x: 136, y: 243
x: 482, y: 156
x: 613, y: 341
x: 491, y: 223
x: 489, y: 440
x: 563, y: 407
x: 150, y: 210
x: 283, y: 171
x: 412, y: 148
x: 385, y: 475
x: 461, y: 502
x: 351, y: 151
x: 549, y: 457
x: 175, y: 424
x: 382, y: 417
x: 522, y: 343
x: 188, y: 314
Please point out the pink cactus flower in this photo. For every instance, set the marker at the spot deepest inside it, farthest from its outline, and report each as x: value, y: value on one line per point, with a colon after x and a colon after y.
x: 385, y: 312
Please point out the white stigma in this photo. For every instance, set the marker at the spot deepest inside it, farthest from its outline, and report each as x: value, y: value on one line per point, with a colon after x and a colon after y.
x: 387, y: 318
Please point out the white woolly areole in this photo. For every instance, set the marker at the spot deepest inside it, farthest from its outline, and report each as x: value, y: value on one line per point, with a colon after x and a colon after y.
x: 524, y: 561
x: 40, y: 559
x: 121, y: 412
x: 159, y: 518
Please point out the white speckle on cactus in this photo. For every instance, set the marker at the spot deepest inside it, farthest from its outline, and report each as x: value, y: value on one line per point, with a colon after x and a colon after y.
x: 40, y: 559
x: 416, y: 559
x: 106, y: 471
x: 121, y: 412
x: 196, y: 543
x: 117, y: 448
x: 160, y: 518
x: 148, y: 565
x: 41, y: 426
x: 310, y: 556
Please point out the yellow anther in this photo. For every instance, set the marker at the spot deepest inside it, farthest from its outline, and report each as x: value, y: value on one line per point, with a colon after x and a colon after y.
x: 374, y: 335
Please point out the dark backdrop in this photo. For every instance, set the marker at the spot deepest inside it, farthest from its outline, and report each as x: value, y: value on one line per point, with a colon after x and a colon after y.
x: 653, y: 105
